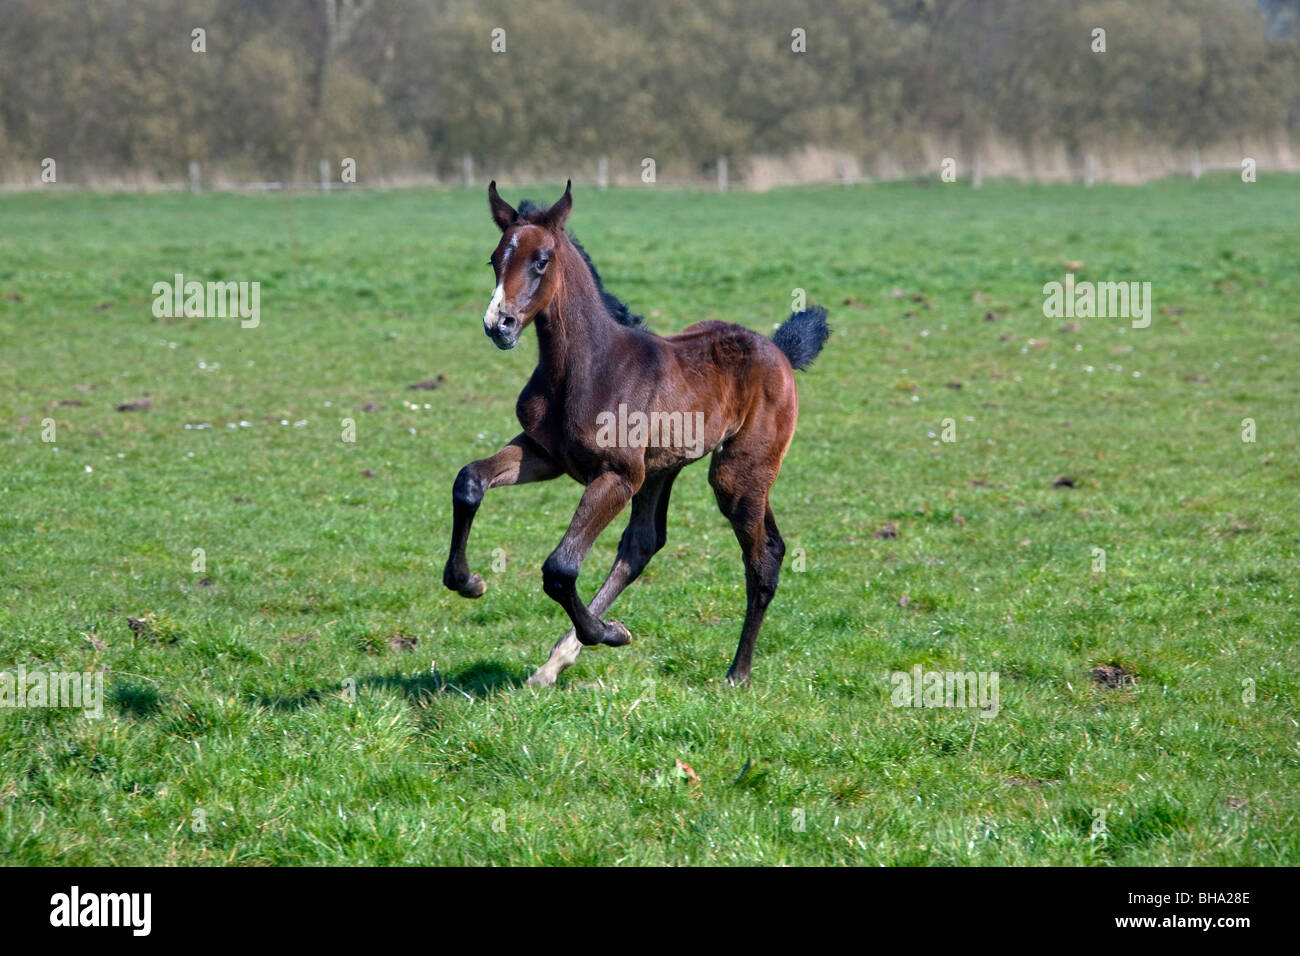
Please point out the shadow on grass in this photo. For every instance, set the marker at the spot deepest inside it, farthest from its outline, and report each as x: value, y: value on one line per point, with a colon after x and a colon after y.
x: 136, y: 700
x: 478, y: 680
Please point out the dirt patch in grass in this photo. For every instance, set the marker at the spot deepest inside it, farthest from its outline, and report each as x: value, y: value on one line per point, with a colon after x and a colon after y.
x: 429, y: 384
x: 1112, y: 675
x: 403, y: 642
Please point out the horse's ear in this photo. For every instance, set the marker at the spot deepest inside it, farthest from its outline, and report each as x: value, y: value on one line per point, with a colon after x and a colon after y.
x: 558, y: 214
x: 503, y: 214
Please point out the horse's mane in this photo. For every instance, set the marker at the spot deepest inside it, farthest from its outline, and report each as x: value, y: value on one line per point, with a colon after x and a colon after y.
x: 529, y: 211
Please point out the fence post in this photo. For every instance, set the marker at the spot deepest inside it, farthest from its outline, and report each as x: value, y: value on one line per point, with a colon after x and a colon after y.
x: 1088, y: 176
x: 467, y: 169
x: 602, y: 172
x: 976, y: 172
x: 722, y: 174
x: 324, y: 175
x: 194, y: 176
x: 1196, y: 163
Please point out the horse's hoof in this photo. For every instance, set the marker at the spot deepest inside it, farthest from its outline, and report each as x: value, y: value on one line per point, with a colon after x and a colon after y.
x: 475, y: 587
x: 540, y: 679
x: 736, y: 679
x: 616, y: 635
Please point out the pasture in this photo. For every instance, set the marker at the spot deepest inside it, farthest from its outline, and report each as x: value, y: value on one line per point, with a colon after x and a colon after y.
x: 309, y: 693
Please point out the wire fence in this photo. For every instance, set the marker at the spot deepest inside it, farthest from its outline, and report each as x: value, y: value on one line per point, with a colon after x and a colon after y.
x: 722, y: 180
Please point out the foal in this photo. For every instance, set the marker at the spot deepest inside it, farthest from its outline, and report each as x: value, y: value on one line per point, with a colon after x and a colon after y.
x: 735, y: 386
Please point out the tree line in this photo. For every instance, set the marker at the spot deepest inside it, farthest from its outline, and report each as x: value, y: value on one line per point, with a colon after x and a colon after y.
x: 265, y: 89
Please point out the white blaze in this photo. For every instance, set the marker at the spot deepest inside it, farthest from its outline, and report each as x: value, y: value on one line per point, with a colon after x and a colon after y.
x: 492, y: 317
x: 493, y: 314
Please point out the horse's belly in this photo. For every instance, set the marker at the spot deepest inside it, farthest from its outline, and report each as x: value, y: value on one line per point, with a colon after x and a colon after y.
x: 677, y: 438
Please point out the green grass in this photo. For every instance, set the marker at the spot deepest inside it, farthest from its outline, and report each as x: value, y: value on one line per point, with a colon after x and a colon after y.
x: 214, y: 709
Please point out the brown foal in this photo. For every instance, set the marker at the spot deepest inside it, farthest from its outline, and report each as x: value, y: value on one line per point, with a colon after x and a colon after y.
x: 622, y: 411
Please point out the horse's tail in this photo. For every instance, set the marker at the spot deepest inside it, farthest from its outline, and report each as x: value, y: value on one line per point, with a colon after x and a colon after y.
x: 802, y: 336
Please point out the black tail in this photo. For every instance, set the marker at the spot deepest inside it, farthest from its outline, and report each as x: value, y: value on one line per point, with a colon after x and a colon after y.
x: 802, y: 336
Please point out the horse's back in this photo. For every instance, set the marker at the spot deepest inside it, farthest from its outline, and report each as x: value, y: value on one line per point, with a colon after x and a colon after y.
x: 727, y: 345
x: 756, y: 379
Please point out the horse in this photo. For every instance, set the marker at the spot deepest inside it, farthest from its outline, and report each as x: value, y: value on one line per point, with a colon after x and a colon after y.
x: 610, y: 404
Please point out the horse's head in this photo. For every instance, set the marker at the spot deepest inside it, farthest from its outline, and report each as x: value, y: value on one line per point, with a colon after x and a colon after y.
x: 526, y: 279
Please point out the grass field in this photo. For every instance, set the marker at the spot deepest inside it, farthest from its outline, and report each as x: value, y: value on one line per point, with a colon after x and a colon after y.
x: 230, y: 735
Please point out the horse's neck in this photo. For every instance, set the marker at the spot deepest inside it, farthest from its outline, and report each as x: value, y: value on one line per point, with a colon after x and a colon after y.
x: 574, y: 332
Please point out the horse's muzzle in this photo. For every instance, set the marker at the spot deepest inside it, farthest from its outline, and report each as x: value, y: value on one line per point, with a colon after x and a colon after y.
x: 504, y: 339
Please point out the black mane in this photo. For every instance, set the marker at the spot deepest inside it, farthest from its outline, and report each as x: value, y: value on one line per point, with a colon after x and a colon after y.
x: 529, y: 211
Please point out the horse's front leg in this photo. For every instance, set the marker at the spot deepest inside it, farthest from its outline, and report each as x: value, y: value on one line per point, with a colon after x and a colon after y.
x: 645, y: 536
x: 604, y: 498
x: 521, y: 461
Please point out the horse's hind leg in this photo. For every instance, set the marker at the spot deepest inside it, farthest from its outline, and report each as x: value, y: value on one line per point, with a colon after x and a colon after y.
x: 518, y: 463
x: 741, y: 490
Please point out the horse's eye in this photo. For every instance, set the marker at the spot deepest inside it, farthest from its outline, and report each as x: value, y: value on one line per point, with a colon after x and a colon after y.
x: 541, y: 265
